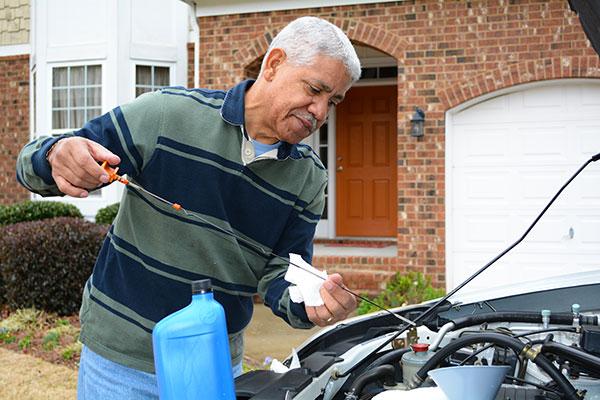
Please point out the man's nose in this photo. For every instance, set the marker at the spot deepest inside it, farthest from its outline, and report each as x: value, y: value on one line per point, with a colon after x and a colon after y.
x: 319, y: 109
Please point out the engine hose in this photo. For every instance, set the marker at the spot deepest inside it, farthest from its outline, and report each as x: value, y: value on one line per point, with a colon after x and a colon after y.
x: 459, y: 343
x: 389, y: 358
x: 570, y: 393
x: 383, y: 371
x: 503, y: 340
x: 524, y: 317
x: 572, y: 354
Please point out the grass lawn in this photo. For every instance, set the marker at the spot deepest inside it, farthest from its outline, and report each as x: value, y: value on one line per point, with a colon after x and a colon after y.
x: 24, y: 377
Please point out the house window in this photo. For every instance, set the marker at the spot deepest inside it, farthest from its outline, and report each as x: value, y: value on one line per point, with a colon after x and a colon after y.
x: 322, y: 151
x: 149, y: 78
x: 76, y: 95
x: 378, y: 72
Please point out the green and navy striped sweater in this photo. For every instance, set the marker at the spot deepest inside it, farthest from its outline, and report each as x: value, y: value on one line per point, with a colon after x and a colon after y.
x: 187, y: 146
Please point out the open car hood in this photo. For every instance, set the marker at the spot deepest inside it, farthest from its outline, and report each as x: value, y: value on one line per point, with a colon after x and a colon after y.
x: 538, y: 285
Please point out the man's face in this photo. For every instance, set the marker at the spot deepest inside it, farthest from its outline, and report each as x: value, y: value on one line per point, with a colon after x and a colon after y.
x: 301, y: 96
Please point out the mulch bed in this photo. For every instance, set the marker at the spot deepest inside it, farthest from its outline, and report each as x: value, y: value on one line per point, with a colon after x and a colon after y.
x: 36, y: 347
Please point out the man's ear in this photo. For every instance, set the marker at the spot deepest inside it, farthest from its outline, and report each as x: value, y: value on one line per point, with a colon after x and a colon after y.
x: 275, y: 60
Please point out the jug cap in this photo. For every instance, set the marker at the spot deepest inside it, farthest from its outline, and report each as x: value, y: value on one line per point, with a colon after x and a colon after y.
x: 201, y: 286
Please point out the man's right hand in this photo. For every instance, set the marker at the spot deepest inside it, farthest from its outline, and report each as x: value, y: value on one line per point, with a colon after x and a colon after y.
x: 75, y: 168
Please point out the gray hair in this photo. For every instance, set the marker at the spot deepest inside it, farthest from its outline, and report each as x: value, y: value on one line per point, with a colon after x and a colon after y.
x: 306, y: 37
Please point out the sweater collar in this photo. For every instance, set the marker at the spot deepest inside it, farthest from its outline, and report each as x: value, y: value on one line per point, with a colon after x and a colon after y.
x: 232, y: 112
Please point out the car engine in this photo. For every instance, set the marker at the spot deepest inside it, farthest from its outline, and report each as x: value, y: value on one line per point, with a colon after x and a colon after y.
x: 549, y: 345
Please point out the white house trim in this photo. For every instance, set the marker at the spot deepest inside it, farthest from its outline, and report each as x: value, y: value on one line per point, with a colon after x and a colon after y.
x: 326, y: 227
x: 226, y: 7
x: 194, y: 37
x: 15, y: 50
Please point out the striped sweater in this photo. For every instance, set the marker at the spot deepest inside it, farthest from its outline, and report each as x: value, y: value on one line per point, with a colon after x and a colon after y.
x: 188, y: 146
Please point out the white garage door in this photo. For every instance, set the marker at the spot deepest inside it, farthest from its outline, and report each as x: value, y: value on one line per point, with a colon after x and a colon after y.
x: 506, y: 157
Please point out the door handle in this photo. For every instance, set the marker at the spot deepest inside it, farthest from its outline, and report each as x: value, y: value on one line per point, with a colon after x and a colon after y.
x: 339, y: 168
x: 570, y: 234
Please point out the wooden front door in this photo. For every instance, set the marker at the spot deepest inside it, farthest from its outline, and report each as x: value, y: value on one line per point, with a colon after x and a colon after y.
x: 366, y: 194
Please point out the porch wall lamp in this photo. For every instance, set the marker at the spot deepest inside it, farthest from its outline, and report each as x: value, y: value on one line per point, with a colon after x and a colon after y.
x: 417, y: 123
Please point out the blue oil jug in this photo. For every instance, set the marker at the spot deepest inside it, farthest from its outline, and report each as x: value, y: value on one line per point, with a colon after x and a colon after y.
x: 191, y: 350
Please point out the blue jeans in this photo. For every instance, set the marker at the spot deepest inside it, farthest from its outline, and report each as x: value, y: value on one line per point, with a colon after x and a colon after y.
x: 102, y: 379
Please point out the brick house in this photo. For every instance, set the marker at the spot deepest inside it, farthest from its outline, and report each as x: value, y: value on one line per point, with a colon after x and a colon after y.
x: 511, y: 101
x: 14, y: 94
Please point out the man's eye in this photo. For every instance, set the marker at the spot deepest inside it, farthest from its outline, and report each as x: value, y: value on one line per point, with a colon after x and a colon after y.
x: 314, y: 90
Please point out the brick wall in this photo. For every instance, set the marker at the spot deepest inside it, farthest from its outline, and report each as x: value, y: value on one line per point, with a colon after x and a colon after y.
x: 190, y: 68
x: 448, y: 52
x: 14, y: 22
x: 14, y: 123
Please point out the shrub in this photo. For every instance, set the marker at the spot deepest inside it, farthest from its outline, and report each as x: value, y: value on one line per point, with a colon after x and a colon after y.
x: 23, y: 320
x: 107, y: 214
x: 71, y: 350
x: 51, y: 340
x: 403, y: 289
x: 2, y: 298
x: 6, y: 336
x: 45, y: 264
x: 25, y: 343
x: 36, y: 210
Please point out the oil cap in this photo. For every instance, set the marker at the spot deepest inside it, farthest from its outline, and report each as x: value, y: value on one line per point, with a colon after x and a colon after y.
x: 201, y: 286
x: 419, y: 347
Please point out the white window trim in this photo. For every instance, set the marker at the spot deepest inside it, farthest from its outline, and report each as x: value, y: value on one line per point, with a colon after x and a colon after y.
x: 378, y: 62
x: 326, y: 227
x: 34, y: 79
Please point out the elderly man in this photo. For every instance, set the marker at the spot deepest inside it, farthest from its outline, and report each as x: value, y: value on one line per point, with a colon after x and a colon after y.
x: 232, y: 157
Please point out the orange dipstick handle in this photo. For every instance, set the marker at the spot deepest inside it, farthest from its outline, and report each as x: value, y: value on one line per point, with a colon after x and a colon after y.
x: 112, y: 174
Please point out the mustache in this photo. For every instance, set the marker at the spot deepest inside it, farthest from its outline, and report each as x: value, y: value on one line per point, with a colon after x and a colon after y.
x: 310, y: 118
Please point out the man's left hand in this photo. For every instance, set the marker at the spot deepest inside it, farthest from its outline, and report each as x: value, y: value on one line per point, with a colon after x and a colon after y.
x: 338, y: 303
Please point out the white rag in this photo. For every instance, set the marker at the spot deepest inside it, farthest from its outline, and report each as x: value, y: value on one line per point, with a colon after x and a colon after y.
x: 280, y: 368
x: 307, y: 280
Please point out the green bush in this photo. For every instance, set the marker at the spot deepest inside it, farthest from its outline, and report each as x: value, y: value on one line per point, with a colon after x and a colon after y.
x: 2, y: 297
x: 403, y: 289
x: 45, y: 264
x: 36, y: 210
x: 107, y: 214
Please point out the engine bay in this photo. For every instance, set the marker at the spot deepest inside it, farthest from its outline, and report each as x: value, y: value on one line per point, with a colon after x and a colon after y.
x: 549, y: 340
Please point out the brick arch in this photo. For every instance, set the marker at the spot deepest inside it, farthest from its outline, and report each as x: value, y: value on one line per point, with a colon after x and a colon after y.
x: 358, y: 32
x: 515, y: 74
